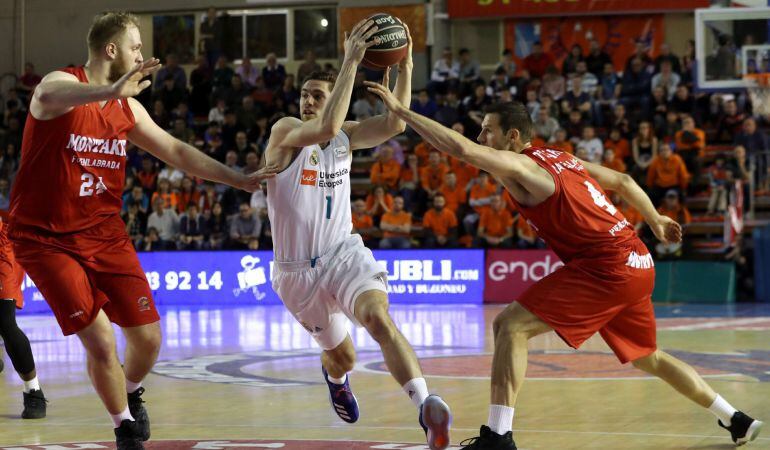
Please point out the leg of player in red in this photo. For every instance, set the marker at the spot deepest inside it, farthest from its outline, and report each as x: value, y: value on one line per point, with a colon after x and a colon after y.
x: 77, y: 252
x: 607, y: 281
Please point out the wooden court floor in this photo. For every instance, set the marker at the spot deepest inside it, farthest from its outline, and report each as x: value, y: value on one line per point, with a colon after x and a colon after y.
x: 250, y: 378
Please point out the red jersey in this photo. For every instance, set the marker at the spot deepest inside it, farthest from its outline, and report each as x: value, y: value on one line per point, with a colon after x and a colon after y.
x: 578, y: 221
x: 72, y: 167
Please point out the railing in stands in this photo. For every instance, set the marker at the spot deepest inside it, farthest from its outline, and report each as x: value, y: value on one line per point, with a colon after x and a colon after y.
x: 759, y: 181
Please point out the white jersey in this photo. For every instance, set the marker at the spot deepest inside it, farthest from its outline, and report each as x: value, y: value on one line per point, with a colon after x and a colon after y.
x: 309, y: 202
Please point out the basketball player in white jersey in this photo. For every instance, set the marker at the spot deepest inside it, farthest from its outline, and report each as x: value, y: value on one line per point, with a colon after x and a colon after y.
x: 323, y: 273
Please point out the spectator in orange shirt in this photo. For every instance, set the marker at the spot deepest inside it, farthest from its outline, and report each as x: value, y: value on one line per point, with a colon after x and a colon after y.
x: 396, y: 226
x: 620, y: 145
x: 455, y: 195
x: 633, y: 216
x: 188, y: 195
x: 495, y: 226
x: 440, y: 225
x: 432, y: 175
x: 666, y: 172
x: 378, y: 203
x: 480, y: 198
x: 611, y: 161
x: 561, y: 142
x: 464, y: 171
x: 422, y: 150
x: 691, y: 144
x: 409, y: 181
x: 672, y: 208
x: 363, y: 223
x: 169, y: 198
x: 386, y: 171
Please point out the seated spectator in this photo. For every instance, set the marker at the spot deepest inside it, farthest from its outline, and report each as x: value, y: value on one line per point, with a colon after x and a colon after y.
x: 164, y: 193
x: 578, y: 99
x: 152, y: 241
x: 588, y: 80
x: 136, y: 195
x: 644, y: 148
x: 243, y: 227
x: 507, y: 63
x: 666, y: 55
x: 368, y: 105
x: 432, y: 175
x: 136, y: 223
x: 481, y: 193
x: 635, y: 89
x: 730, y: 122
x: 386, y: 171
x: 666, y: 172
x: 672, y: 208
x: 610, y: 161
x: 537, y: 62
x: 216, y: 226
x: 396, y: 226
x: 619, y: 145
x: 659, y: 108
x: 691, y: 144
x: 667, y: 79
x: 533, y: 104
x: 640, y: 54
x: 671, y: 127
x: 165, y: 221
x: 409, y: 180
x: 148, y: 175
x: 188, y: 195
x: 378, y: 202
x: 217, y: 113
x: 258, y: 202
x: 273, y: 73
x: 569, y: 65
x: 308, y: 66
x: 545, y: 125
x: 683, y: 102
x: 608, y: 91
x: 454, y: 194
x: 247, y: 72
x: 559, y: 141
x: 720, y: 177
x: 169, y: 94
x: 445, y: 73
x: 448, y: 111
x: 173, y: 175
x: 751, y: 138
x: 620, y: 120
x: 424, y: 105
x: 597, y: 58
x: 495, y: 226
x: 181, y: 132
x: 554, y: 85
x: 192, y: 228
x: 574, y: 126
x: 439, y: 225
x: 593, y: 144
x: 500, y: 83
x: 363, y: 223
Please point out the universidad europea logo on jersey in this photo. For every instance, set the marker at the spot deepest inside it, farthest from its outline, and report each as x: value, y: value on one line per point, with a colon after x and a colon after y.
x: 309, y: 177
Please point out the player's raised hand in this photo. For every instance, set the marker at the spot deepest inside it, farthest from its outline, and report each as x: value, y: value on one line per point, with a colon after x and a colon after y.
x: 383, y: 91
x: 667, y: 230
x: 357, y: 41
x: 131, y: 83
x: 252, y: 181
x: 406, y: 62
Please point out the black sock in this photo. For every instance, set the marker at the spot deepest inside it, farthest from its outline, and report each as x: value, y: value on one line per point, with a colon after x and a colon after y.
x: 16, y: 342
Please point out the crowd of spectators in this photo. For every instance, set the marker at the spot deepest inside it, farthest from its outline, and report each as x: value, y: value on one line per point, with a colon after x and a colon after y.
x: 643, y: 120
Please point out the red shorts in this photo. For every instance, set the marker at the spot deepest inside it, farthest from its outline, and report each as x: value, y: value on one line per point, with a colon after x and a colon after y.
x: 81, y: 273
x: 577, y: 303
x: 11, y: 273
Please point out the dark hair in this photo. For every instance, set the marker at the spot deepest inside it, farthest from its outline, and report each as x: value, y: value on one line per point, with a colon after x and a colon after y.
x: 320, y: 75
x: 513, y: 115
x: 507, y: 52
x: 108, y: 25
x: 464, y: 51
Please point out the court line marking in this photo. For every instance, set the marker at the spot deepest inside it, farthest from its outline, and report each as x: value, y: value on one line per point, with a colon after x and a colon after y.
x: 715, y: 324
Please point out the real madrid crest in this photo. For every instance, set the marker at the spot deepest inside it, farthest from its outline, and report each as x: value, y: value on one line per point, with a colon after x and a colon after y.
x: 314, y: 158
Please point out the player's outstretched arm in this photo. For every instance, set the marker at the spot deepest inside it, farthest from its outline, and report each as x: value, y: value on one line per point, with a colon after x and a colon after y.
x: 665, y: 229
x: 292, y: 133
x: 149, y: 136
x: 59, y: 92
x: 378, y: 129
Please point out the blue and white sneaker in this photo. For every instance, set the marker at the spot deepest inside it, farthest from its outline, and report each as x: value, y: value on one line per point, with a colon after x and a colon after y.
x: 436, y: 419
x: 343, y: 401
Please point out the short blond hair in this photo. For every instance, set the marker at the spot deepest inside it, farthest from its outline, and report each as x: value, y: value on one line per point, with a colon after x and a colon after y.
x: 108, y: 25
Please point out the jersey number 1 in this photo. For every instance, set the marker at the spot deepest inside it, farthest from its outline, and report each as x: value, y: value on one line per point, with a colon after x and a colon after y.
x: 328, y: 206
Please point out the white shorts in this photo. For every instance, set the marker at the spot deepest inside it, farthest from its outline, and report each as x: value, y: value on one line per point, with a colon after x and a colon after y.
x: 322, y: 293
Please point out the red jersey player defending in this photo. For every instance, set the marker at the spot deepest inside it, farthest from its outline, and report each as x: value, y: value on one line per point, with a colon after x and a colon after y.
x: 607, y: 281
x: 65, y: 211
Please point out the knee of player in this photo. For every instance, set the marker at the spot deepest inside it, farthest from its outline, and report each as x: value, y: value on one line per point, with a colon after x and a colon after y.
x: 377, y: 322
x: 149, y: 340
x: 508, y: 326
x: 647, y: 363
x: 102, y: 351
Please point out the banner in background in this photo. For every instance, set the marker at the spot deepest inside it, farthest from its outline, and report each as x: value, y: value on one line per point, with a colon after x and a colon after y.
x: 243, y: 278
x: 616, y: 34
x: 510, y: 272
x: 520, y: 8
x: 412, y: 15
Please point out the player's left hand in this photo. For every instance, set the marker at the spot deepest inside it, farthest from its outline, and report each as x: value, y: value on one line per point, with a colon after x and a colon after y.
x: 667, y: 230
x: 406, y: 61
x: 251, y: 182
x: 383, y: 91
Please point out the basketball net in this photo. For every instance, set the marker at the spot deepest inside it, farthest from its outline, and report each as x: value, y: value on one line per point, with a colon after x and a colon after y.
x: 758, y: 86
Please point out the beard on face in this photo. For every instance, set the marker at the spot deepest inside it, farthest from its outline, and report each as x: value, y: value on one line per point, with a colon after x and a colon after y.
x: 118, y: 68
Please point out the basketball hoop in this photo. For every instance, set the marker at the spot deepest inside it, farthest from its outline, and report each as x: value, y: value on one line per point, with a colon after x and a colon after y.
x: 758, y: 86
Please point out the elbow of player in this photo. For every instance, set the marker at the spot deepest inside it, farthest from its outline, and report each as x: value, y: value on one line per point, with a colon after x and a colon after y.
x: 330, y: 129
x: 43, y: 95
x: 626, y: 182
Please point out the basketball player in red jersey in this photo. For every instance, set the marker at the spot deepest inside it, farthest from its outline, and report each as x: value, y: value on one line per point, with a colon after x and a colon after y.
x: 607, y: 281
x: 65, y: 211
x: 16, y: 342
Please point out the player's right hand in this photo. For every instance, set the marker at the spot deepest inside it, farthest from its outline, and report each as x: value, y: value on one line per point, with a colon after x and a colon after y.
x: 356, y: 41
x: 667, y: 230
x: 131, y: 83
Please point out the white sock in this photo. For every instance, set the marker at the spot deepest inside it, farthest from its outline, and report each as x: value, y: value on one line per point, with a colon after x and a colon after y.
x: 31, y: 385
x: 131, y: 387
x: 417, y: 390
x: 500, y: 419
x: 723, y: 410
x: 117, y: 418
x: 339, y: 381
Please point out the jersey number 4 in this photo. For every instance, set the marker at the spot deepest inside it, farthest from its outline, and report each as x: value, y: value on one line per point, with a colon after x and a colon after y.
x: 600, y: 199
